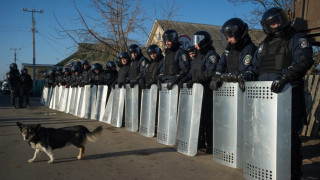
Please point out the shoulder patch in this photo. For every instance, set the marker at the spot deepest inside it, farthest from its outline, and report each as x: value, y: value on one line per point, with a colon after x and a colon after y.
x: 260, y: 48
x: 303, y: 42
x: 213, y: 58
x: 143, y: 63
x: 184, y: 57
x: 226, y: 52
x: 247, y: 59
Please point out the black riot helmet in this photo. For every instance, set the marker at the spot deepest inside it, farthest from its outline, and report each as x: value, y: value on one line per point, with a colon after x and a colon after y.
x: 59, y: 69
x: 66, y: 69
x: 96, y: 66
x: 77, y: 63
x: 85, y: 62
x: 134, y: 48
x: 71, y: 64
x: 75, y: 68
x: 24, y: 70
x: 272, y: 16
x: 13, y: 66
x: 123, y: 55
x: 202, y: 38
x: 51, y: 72
x: 191, y: 49
x: 170, y: 35
x: 111, y: 65
x: 236, y: 28
x: 154, y: 49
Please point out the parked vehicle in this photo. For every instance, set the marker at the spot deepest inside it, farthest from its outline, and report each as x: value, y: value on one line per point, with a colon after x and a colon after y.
x: 5, y: 87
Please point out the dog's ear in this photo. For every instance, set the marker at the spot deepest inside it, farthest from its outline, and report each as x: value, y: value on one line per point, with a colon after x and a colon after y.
x: 20, y: 125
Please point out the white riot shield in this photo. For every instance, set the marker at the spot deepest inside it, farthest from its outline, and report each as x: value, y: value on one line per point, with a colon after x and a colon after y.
x: 148, y: 111
x: 50, y: 89
x: 78, y: 101
x: 108, y: 110
x: 117, y: 106
x: 132, y: 108
x: 267, y: 132
x: 189, y: 113
x: 69, y: 100
x: 58, y: 99
x: 102, y: 92
x: 74, y: 100
x: 53, y: 98
x: 44, y: 96
x: 64, y: 99
x: 91, y: 111
x: 167, y: 115
x: 85, y: 108
x: 227, y: 125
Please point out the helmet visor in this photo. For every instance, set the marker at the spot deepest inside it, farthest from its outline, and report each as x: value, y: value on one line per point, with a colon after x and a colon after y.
x: 169, y: 37
x: 196, y: 39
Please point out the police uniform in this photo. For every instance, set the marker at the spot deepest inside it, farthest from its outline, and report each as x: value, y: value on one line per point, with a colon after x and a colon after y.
x: 151, y: 72
x: 285, y: 57
x: 14, y: 78
x: 27, y: 85
x: 137, y: 66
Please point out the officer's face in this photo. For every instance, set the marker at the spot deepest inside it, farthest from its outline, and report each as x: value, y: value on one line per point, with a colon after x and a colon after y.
x: 231, y: 40
x: 153, y: 56
x: 168, y: 44
x: 76, y: 73
x: 96, y: 71
x: 192, y: 55
x: 134, y: 55
x: 124, y: 61
x: 275, y: 24
x: 85, y: 66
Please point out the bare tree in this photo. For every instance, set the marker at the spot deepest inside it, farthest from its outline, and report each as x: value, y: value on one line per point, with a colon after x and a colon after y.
x: 254, y: 16
x: 110, y: 31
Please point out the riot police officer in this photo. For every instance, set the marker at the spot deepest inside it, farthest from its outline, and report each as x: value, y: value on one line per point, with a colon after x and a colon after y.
x: 97, y: 77
x: 86, y: 73
x: 27, y: 85
x: 202, y: 69
x: 76, y: 78
x: 111, y: 73
x: 152, y: 70
x: 51, y: 77
x: 137, y: 65
x: 284, y: 57
x: 46, y: 80
x: 123, y: 62
x: 14, y: 78
x: 235, y: 62
x: 59, y: 76
x: 192, y: 52
x: 176, y: 61
x: 66, y: 81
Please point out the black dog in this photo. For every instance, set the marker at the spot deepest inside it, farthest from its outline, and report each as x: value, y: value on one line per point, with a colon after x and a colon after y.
x: 48, y: 139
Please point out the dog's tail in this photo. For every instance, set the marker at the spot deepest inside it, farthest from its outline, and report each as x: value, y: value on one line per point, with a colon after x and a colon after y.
x: 95, y: 134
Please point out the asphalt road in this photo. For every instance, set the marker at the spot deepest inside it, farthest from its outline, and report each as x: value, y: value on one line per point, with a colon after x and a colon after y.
x: 118, y: 154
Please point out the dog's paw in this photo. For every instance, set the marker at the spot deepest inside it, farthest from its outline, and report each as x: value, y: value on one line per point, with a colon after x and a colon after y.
x: 31, y: 160
x: 50, y: 162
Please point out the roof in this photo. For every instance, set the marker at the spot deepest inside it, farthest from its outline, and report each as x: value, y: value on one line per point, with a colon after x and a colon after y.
x: 185, y: 28
x: 37, y: 65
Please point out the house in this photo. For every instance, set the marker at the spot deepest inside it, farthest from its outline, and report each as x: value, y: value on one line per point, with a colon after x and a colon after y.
x: 188, y: 29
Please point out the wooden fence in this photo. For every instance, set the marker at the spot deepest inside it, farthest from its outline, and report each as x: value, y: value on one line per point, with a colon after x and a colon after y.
x: 312, y: 96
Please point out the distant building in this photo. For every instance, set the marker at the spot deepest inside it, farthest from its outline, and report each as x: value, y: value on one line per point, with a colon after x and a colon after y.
x: 188, y: 29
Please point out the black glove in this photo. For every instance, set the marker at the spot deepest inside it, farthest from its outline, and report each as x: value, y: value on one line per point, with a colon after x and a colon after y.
x: 113, y: 85
x: 91, y: 85
x: 170, y: 85
x: 279, y: 83
x: 132, y: 84
x: 142, y: 85
x: 149, y: 84
x: 215, y: 83
x: 228, y: 77
x: 120, y: 85
x: 183, y: 80
x: 246, y: 76
x: 189, y: 84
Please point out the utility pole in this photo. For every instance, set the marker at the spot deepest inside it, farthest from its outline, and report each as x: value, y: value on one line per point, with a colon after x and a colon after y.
x: 34, y: 44
x: 15, y: 54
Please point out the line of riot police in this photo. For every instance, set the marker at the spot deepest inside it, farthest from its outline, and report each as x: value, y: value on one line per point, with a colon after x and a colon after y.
x: 283, y: 57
